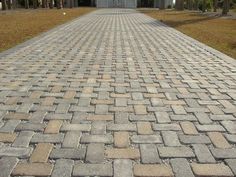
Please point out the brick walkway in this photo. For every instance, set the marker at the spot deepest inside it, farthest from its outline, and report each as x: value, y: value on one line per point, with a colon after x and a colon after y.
x: 116, y: 93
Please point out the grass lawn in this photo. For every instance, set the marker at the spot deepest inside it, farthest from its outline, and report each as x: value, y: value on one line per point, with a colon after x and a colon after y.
x: 219, y: 33
x: 20, y: 25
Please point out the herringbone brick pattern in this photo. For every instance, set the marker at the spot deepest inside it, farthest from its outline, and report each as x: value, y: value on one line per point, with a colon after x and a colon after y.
x: 116, y: 93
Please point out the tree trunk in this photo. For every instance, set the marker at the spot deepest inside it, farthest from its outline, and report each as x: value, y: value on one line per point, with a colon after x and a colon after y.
x: 14, y: 4
x: 187, y: 4
x: 35, y: 4
x: 225, y: 9
x: 51, y: 4
x: 59, y: 4
x: 4, y: 5
x: 196, y: 4
x: 9, y: 5
x: 26, y: 4
x: 71, y: 3
x: 162, y: 4
x: 215, y: 5
x: 191, y: 4
x: 179, y: 5
x: 44, y: 3
x: 204, y: 6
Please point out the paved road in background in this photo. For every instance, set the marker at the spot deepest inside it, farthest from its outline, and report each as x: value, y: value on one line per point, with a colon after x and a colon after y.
x: 116, y: 93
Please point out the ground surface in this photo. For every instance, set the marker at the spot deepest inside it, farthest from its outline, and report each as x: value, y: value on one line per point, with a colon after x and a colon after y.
x: 215, y: 31
x: 115, y: 93
x: 20, y: 25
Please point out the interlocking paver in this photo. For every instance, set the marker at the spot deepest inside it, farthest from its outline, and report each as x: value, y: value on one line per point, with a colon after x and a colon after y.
x: 117, y: 93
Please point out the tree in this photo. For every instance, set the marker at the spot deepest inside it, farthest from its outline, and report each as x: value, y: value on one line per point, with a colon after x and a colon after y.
x: 51, y: 4
x: 4, y: 5
x: 190, y: 4
x: 215, y: 5
x: 162, y: 4
x: 203, y: 5
x: 26, y: 4
x: 9, y: 5
x: 59, y: 4
x: 179, y: 5
x: 44, y: 3
x: 35, y: 4
x: 14, y: 4
x: 196, y: 4
x: 225, y: 9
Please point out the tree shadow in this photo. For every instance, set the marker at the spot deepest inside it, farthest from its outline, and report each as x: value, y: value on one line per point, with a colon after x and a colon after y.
x: 187, y: 21
x: 191, y: 18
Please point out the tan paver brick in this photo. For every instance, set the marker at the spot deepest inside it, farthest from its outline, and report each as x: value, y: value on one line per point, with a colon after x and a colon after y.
x: 18, y: 116
x: 218, y: 140
x: 69, y: 94
x: 144, y: 128
x: 56, y: 89
x: 53, y: 127
x: 140, y: 109
x: 7, y: 137
x: 36, y: 94
x: 121, y: 139
x: 100, y: 117
x: 126, y: 153
x: 159, y: 170
x: 87, y: 90
x: 110, y: 101
x: 116, y: 95
x: 48, y: 101
x: 189, y: 128
x: 12, y: 100
x: 41, y: 152
x: 211, y: 170
x: 32, y: 169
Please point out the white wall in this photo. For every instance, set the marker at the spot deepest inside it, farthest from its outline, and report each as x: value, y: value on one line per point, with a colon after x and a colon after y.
x: 102, y: 3
x: 116, y: 3
x: 130, y: 3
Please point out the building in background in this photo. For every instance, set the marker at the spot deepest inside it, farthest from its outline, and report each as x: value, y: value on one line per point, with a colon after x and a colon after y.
x: 116, y: 3
x: 120, y: 3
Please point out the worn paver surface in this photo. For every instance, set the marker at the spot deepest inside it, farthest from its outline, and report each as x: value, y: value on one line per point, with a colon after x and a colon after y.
x: 116, y: 93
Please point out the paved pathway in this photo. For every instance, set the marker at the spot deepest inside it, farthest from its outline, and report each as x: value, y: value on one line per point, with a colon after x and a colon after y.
x: 116, y: 93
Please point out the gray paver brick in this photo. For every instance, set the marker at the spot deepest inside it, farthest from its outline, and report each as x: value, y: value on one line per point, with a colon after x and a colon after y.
x: 203, y: 153
x: 232, y: 164
x: 19, y: 152
x: 71, y: 139
x: 47, y: 138
x: 107, y: 139
x: 10, y: 126
x: 23, y: 139
x: 93, y: 170
x: 194, y: 139
x: 146, y: 139
x: 181, y: 167
x: 7, y: 164
x: 63, y: 168
x: 172, y: 152
x: 95, y: 153
x: 68, y: 153
x: 224, y: 153
x: 149, y: 154
x: 170, y: 138
x: 123, y: 167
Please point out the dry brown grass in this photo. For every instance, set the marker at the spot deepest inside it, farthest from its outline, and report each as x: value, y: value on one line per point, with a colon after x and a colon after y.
x: 216, y: 32
x: 18, y: 26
